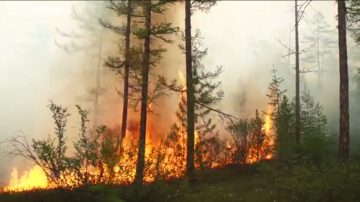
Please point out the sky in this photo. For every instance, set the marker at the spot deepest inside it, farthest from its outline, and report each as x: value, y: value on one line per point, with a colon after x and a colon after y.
x: 241, y: 36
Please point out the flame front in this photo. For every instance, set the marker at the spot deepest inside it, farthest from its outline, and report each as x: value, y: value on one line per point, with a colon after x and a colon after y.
x: 166, y: 160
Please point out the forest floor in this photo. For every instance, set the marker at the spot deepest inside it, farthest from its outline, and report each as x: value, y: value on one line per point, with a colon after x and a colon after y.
x: 234, y: 183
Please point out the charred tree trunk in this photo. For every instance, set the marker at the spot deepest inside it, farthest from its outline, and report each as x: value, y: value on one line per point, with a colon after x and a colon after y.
x: 126, y: 77
x: 189, y: 93
x: 297, y: 76
x: 344, y: 136
x: 139, y: 175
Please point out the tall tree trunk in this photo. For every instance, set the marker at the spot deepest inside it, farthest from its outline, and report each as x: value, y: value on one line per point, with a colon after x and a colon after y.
x: 126, y: 77
x: 139, y: 175
x: 297, y: 76
x: 344, y: 137
x: 189, y: 93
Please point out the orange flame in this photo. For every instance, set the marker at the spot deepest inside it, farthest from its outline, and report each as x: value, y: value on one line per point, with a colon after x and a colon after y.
x: 266, y: 148
x: 35, y: 178
x: 162, y: 161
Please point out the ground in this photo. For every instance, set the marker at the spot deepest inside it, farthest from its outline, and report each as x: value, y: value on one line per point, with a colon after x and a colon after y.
x: 233, y: 183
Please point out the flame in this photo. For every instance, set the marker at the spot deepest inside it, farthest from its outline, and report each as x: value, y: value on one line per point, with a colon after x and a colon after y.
x: 165, y: 161
x: 265, y: 151
x: 35, y: 178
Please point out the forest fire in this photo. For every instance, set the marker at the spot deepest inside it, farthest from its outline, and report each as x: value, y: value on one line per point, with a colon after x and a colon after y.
x: 165, y: 158
x: 163, y: 161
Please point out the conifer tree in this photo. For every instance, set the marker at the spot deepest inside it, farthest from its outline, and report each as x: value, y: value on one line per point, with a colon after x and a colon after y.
x: 314, y: 143
x: 297, y: 75
x: 318, y: 44
x: 344, y: 134
x: 122, y: 8
x: 191, y: 6
x: 353, y: 17
x: 275, y: 93
x: 151, y: 57
x: 299, y: 12
x: 285, y: 130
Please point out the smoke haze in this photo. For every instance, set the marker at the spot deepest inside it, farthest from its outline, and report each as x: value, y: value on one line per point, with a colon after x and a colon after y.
x: 240, y: 35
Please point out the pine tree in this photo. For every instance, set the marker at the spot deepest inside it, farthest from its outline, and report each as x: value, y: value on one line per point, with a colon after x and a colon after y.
x: 344, y: 136
x: 314, y: 143
x: 297, y: 75
x: 299, y: 12
x: 206, y: 94
x: 151, y: 57
x: 275, y: 93
x: 191, y: 5
x: 122, y: 8
x: 353, y: 16
x: 318, y: 44
x: 144, y: 94
x: 285, y: 130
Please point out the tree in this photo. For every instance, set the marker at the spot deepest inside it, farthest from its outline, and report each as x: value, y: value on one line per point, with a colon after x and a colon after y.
x: 126, y: 75
x: 299, y: 12
x: 344, y: 136
x: 275, y: 93
x: 353, y: 17
x: 122, y: 8
x: 314, y: 142
x: 285, y: 130
x: 189, y: 6
x: 206, y: 95
x: 297, y: 75
x: 151, y: 57
x: 144, y: 94
x: 318, y: 44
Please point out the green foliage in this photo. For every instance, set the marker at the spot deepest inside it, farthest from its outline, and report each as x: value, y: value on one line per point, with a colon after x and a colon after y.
x: 353, y: 18
x: 315, y: 143
x: 329, y: 182
x: 283, y: 114
x: 275, y: 93
x: 354, y: 93
x: 159, y: 31
x: 207, y: 93
x: 285, y: 130
x: 91, y: 151
x: 86, y: 150
x: 50, y: 153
